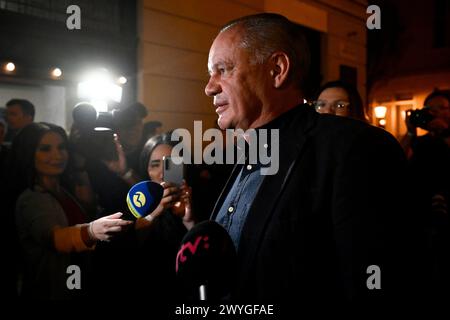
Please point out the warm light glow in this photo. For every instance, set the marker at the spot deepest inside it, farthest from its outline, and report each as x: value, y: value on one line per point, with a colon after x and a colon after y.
x: 382, y: 122
x: 122, y: 80
x: 380, y: 112
x: 98, y: 88
x: 10, y: 67
x: 403, y: 114
x: 56, y: 72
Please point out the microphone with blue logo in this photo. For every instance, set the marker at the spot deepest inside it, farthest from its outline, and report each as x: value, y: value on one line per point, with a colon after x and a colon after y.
x: 144, y: 197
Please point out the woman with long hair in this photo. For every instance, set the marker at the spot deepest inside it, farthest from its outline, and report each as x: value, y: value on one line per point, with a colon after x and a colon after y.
x: 176, y: 199
x: 53, y: 228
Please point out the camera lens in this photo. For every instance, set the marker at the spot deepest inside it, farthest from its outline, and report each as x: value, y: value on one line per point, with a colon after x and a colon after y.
x: 420, y: 118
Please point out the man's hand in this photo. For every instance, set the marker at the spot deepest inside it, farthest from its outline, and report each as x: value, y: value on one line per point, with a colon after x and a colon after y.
x: 118, y: 166
x: 412, y: 129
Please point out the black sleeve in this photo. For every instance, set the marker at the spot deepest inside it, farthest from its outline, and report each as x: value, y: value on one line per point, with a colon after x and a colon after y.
x: 370, y: 215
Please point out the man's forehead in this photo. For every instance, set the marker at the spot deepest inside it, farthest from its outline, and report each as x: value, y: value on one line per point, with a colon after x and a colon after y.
x: 14, y: 108
x: 224, y: 47
x: 217, y: 61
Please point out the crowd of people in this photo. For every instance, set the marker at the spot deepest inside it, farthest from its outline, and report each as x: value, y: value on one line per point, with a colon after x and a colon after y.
x: 346, y: 196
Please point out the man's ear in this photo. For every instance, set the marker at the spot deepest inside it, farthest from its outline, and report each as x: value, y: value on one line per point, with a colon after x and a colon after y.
x: 279, y: 68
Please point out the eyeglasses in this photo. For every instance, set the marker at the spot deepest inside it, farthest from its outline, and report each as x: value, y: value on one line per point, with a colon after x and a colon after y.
x: 336, y: 106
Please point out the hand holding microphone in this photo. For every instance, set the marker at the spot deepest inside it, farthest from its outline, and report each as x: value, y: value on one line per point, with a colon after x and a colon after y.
x: 148, y: 200
x: 103, y: 228
x: 143, y: 198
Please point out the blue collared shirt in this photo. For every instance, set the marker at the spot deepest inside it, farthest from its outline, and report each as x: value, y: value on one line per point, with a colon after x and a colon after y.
x: 234, y: 210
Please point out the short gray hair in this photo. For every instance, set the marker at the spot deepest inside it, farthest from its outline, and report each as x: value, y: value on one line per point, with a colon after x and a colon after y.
x: 265, y: 33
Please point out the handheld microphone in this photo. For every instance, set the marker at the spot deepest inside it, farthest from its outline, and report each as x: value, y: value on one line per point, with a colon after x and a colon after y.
x: 144, y: 197
x: 206, y: 262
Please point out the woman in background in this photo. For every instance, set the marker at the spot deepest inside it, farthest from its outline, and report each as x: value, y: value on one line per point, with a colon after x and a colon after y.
x: 341, y: 99
x: 53, y: 228
x: 169, y: 223
x: 176, y: 199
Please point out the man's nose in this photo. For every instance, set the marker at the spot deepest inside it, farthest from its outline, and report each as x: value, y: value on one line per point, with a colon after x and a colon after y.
x: 212, y: 87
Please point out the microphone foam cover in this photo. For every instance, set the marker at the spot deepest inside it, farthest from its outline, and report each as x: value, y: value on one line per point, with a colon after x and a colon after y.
x: 207, y: 256
x: 144, y: 197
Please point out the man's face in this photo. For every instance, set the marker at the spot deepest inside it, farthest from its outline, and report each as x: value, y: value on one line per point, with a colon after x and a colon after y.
x: 236, y: 83
x: 440, y: 108
x: 16, y: 118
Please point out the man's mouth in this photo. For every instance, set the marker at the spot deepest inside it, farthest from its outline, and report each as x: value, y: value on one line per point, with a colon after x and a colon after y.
x: 221, y: 107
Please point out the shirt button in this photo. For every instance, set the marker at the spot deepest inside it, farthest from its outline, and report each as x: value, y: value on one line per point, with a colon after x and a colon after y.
x: 230, y: 209
x: 249, y: 167
x: 265, y: 145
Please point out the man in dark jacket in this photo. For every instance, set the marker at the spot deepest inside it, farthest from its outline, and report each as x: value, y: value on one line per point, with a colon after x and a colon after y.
x: 329, y: 224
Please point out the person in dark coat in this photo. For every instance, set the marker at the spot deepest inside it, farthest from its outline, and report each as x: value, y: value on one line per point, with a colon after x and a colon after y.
x: 332, y: 220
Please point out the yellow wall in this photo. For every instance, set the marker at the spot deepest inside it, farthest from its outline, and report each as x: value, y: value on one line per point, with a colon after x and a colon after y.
x: 174, y: 40
x: 345, y: 40
x: 175, y: 36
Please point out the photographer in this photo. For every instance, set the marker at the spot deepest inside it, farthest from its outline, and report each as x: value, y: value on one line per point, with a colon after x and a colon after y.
x: 99, y: 152
x: 434, y: 117
x: 129, y: 125
x: 107, y: 144
x: 429, y: 171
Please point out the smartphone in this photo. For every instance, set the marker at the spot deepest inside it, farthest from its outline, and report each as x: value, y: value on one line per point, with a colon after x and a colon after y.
x: 172, y: 172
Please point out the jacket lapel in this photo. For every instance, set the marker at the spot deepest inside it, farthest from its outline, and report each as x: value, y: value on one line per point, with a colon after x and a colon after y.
x: 292, y: 143
x: 265, y: 203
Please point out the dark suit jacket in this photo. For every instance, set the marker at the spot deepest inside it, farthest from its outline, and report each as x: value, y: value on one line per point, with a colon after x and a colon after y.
x: 334, y: 208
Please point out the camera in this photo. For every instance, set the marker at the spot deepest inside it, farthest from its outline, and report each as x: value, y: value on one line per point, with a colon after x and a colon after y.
x: 86, y: 118
x: 95, y: 132
x: 420, y: 117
